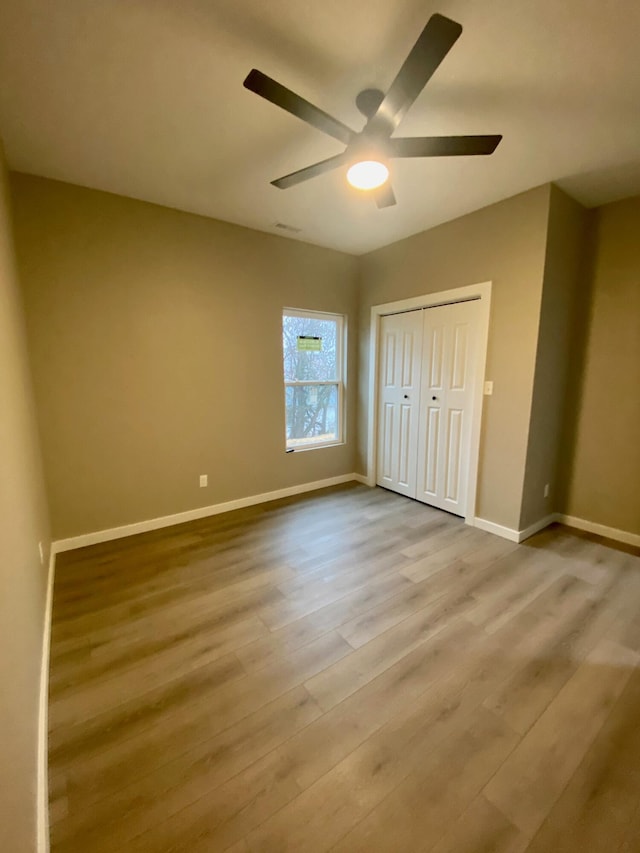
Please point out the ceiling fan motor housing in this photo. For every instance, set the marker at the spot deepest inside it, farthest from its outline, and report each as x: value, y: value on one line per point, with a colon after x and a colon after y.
x: 368, y: 101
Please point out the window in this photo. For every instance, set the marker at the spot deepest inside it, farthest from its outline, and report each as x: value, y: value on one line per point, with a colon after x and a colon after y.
x: 313, y: 347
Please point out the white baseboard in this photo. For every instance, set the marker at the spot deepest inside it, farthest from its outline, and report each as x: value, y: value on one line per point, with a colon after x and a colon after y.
x: 497, y: 529
x: 193, y: 514
x: 599, y: 529
x: 570, y: 520
x: 362, y: 478
x: 43, y: 717
x: 536, y: 527
x: 510, y: 533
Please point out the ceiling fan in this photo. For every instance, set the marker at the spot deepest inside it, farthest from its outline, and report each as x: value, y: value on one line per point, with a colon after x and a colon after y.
x: 368, y: 151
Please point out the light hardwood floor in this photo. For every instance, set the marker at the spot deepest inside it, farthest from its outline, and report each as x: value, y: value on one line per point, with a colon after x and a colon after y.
x: 347, y: 671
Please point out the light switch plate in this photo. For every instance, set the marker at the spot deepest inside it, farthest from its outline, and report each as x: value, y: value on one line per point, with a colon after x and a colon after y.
x: 204, y: 480
x: 488, y: 388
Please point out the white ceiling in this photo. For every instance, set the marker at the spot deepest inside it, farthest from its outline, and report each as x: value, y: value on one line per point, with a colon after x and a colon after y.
x: 144, y: 98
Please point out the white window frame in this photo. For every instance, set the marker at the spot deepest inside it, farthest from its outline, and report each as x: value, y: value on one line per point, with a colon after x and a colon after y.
x: 339, y: 381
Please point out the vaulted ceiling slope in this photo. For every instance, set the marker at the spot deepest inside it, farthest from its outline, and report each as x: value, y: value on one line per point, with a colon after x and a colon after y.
x: 144, y: 98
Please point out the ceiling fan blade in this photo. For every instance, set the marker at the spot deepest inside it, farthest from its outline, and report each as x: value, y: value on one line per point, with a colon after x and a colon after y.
x: 287, y: 100
x: 436, y: 40
x: 310, y: 171
x: 384, y: 195
x: 443, y: 146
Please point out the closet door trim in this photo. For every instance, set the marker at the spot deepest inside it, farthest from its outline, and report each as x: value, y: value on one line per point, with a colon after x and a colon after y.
x: 481, y: 292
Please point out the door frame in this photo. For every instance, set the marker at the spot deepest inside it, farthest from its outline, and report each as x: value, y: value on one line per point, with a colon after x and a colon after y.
x: 477, y: 292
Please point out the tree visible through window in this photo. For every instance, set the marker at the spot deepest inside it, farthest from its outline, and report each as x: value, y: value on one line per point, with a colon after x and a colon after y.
x: 313, y: 376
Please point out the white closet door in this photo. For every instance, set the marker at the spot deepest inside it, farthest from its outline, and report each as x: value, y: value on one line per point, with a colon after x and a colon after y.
x: 446, y: 405
x: 398, y: 412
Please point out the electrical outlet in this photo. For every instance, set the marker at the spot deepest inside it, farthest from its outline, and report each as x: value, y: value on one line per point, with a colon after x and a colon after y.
x: 204, y: 480
x: 488, y: 388
x: 41, y: 550
x: 546, y: 490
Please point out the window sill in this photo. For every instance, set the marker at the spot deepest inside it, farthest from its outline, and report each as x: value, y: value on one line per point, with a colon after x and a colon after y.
x: 314, y: 447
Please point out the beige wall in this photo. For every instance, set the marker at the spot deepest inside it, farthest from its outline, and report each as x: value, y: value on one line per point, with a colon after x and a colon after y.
x: 156, y: 351
x: 504, y: 244
x: 156, y: 345
x: 602, y: 446
x: 564, y: 270
x: 23, y: 524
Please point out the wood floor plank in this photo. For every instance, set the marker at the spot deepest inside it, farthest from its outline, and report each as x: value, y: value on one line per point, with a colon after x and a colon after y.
x: 597, y: 809
x: 120, y: 651
x: 221, y: 818
x: 466, y: 541
x: 314, y: 596
x: 154, y: 711
x: 526, y: 695
x: 309, y: 627
x: 450, y: 598
x: 321, y: 815
x: 492, y: 549
x: 445, y: 774
x: 345, y: 670
x: 533, y: 777
x: 452, y: 693
x: 310, y: 754
x: 522, y: 587
x: 343, y: 678
x: 389, y: 613
x: 170, y: 787
x: 431, y: 543
x: 460, y: 580
x: 95, y: 697
x: 463, y: 692
x: 482, y: 828
x: 105, y: 758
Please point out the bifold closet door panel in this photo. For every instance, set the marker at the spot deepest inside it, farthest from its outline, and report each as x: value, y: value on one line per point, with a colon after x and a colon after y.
x: 446, y: 405
x: 399, y: 375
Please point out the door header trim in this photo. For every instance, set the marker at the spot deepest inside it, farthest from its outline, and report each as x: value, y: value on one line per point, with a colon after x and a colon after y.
x: 435, y: 305
x: 431, y: 300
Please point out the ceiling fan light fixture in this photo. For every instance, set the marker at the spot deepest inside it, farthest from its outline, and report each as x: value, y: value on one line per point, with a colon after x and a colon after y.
x: 367, y: 174
x: 367, y: 151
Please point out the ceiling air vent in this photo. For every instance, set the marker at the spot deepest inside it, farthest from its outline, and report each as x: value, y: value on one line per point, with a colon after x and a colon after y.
x: 290, y: 228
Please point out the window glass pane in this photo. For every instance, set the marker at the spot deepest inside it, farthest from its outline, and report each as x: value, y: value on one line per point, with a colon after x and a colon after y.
x: 309, y: 349
x: 312, y: 414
